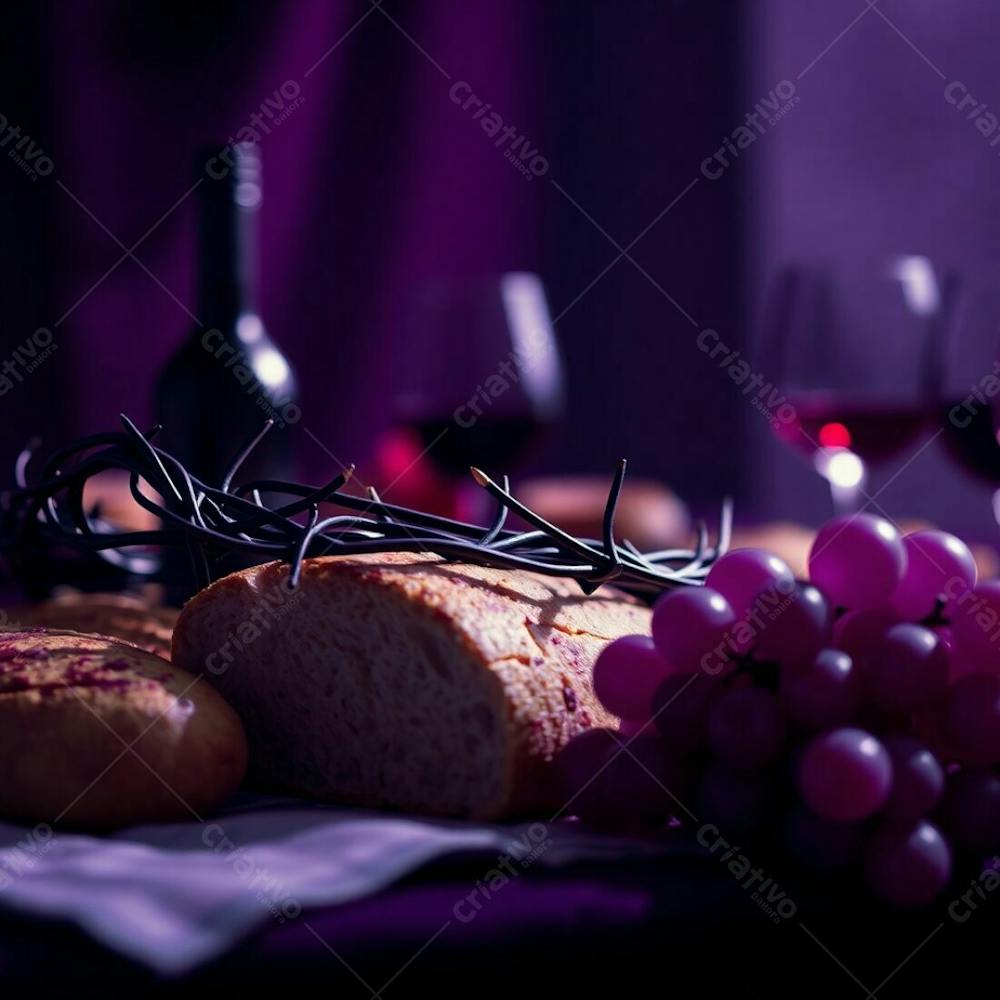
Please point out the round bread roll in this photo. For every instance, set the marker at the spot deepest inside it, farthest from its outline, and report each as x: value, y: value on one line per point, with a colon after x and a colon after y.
x: 404, y: 681
x: 96, y: 733
x: 121, y: 616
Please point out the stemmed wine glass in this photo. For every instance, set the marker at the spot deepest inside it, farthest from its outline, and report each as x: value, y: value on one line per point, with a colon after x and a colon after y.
x: 859, y: 357
x: 483, y: 378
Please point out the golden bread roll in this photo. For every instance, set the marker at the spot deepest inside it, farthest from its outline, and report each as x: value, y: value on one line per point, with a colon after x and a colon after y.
x: 120, y: 616
x: 99, y: 734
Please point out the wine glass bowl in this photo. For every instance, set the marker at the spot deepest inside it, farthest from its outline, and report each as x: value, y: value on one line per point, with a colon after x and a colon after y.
x: 483, y: 376
x: 858, y: 354
x: 969, y: 412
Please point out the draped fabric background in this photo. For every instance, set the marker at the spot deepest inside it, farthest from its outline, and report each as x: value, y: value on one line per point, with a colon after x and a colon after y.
x: 376, y: 181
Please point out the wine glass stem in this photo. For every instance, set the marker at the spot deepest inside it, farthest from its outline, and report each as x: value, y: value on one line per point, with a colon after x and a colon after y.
x: 845, y: 499
x: 846, y: 474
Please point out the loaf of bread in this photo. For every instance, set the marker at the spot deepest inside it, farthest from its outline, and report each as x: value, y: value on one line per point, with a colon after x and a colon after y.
x: 99, y: 734
x: 121, y: 616
x: 404, y: 681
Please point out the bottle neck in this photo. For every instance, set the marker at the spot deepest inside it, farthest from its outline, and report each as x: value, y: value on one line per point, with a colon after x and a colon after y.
x: 227, y: 238
x: 227, y: 245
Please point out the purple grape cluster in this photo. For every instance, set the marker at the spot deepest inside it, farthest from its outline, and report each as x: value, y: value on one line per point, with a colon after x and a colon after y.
x: 849, y: 722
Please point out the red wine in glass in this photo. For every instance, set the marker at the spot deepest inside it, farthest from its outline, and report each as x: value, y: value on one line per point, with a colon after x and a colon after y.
x: 498, y: 443
x: 857, y: 351
x: 875, y: 430
x: 483, y: 378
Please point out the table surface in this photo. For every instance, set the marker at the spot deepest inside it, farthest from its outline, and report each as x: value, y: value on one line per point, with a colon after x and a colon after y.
x: 683, y: 922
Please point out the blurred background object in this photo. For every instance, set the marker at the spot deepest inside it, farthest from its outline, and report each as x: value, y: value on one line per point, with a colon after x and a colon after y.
x: 648, y: 514
x: 228, y: 376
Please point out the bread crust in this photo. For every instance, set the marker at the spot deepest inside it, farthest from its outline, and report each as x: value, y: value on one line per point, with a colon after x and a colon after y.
x: 98, y: 734
x: 526, y: 642
x: 120, y: 616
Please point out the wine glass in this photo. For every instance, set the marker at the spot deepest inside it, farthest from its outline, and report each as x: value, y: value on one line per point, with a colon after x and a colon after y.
x: 970, y: 407
x: 482, y: 380
x: 858, y: 358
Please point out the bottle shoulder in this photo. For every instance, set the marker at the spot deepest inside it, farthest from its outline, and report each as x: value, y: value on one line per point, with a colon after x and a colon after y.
x: 220, y: 355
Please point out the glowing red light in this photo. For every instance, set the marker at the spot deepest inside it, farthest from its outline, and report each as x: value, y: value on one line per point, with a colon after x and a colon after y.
x: 834, y: 435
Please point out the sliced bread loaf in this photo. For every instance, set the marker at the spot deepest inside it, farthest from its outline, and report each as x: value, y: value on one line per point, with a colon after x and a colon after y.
x: 400, y: 680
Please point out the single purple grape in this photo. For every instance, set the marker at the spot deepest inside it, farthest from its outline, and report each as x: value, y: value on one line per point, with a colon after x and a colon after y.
x: 917, y: 779
x: 680, y: 709
x: 796, y: 630
x: 845, y: 775
x: 746, y: 728
x: 823, y: 695
x: 580, y: 759
x: 971, y: 721
x: 691, y: 627
x: 906, y: 669
x: 754, y: 582
x: 935, y: 562
x: 858, y: 632
x: 627, y: 672
x: 975, y: 624
x: 857, y: 561
x: 970, y: 812
x: 908, y: 865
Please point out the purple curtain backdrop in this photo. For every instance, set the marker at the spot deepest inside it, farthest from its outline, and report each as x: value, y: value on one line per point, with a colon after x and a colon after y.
x: 377, y: 181
x: 374, y: 181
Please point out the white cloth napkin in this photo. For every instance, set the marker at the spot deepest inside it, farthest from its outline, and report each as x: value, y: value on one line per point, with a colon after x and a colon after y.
x: 175, y: 896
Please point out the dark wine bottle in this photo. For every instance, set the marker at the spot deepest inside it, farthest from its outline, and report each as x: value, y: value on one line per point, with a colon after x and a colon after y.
x: 228, y: 377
